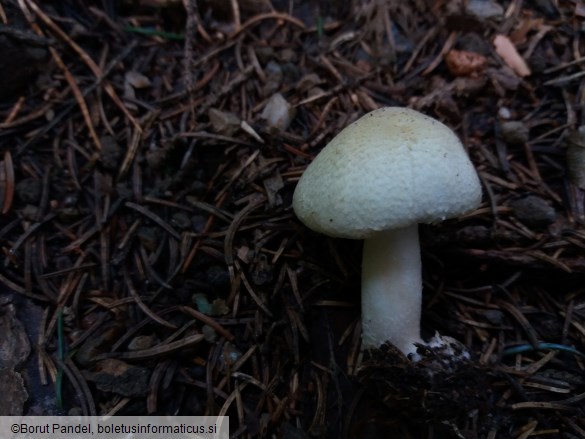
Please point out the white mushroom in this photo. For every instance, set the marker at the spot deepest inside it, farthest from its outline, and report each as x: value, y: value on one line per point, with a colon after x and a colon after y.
x: 376, y: 180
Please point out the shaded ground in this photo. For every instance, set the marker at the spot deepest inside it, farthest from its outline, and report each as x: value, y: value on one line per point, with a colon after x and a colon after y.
x: 145, y: 193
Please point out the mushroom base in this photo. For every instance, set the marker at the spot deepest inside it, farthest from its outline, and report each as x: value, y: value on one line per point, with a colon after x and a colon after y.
x: 392, y: 289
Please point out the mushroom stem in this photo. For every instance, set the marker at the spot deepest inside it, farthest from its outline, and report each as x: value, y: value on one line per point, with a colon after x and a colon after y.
x: 392, y: 289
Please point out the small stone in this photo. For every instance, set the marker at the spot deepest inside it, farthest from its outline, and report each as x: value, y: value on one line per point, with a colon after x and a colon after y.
x: 494, y: 316
x: 14, y: 350
x: 533, y: 210
x: 504, y: 113
x: 75, y: 411
x: 485, y: 10
x: 278, y: 113
x: 14, y: 343
x: 515, y: 132
x: 13, y: 392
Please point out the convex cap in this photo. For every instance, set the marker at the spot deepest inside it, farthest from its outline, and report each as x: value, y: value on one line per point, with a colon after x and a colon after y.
x: 391, y: 168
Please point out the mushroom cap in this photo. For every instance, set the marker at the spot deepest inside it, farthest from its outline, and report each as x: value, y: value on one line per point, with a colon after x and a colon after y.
x: 391, y: 168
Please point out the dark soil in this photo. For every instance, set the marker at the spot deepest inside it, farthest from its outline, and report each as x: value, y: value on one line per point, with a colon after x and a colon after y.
x: 150, y: 250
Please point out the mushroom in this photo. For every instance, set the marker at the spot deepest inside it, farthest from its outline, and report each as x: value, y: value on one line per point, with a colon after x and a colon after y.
x: 376, y: 180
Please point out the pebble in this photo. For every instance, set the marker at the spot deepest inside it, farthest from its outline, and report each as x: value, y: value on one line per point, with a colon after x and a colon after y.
x: 515, y: 132
x: 278, y: 113
x: 533, y: 210
x: 485, y: 10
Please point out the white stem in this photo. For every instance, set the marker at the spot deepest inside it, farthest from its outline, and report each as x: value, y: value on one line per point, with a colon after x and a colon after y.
x: 392, y: 289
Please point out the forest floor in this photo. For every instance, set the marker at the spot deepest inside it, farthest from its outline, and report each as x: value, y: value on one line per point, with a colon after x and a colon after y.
x: 151, y: 262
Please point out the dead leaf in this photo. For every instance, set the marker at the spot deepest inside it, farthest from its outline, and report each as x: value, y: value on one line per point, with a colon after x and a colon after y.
x: 465, y: 63
x: 510, y: 55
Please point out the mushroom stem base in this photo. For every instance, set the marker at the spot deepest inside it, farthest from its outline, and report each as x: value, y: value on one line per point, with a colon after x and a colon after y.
x: 392, y: 289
